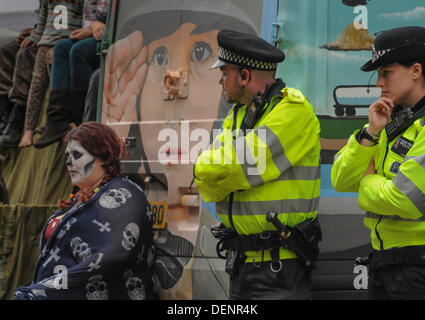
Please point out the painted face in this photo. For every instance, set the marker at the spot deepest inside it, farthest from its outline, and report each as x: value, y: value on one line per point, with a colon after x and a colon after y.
x: 79, y: 161
x: 179, y: 86
x: 396, y: 82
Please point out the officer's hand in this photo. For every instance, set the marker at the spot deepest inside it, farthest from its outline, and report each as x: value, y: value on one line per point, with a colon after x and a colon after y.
x: 380, y: 115
x: 125, y: 74
x: 27, y: 42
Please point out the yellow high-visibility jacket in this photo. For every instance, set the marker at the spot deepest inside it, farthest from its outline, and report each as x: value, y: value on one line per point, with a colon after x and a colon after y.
x: 393, y: 198
x: 274, y: 167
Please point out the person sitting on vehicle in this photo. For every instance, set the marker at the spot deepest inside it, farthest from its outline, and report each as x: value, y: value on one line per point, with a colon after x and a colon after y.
x: 74, y: 61
x: 45, y: 36
x: 16, y: 65
x: 385, y: 163
x: 102, y: 238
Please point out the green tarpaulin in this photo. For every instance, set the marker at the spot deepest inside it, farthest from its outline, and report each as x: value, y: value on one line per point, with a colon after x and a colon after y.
x: 36, y: 179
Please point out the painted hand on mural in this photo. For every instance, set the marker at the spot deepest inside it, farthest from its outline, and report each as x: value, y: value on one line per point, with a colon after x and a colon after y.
x: 125, y: 74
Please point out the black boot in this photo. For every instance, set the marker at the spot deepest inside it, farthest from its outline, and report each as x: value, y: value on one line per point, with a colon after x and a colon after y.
x: 59, y: 117
x: 13, y: 132
x: 78, y: 99
x: 5, y: 108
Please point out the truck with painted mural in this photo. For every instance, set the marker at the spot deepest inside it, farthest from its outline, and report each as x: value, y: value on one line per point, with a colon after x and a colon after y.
x: 158, y: 93
x: 161, y: 97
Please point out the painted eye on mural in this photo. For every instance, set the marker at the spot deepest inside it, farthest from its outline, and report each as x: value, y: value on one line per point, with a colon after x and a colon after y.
x: 201, y: 51
x: 160, y: 56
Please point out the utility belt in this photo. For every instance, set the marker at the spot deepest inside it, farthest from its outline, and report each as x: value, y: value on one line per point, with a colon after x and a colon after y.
x: 302, y: 239
x: 395, y: 256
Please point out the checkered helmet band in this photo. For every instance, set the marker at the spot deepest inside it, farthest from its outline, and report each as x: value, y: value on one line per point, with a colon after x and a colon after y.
x: 231, y: 57
x: 377, y: 54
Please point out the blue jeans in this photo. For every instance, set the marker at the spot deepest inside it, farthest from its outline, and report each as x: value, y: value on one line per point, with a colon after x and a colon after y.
x: 73, y: 63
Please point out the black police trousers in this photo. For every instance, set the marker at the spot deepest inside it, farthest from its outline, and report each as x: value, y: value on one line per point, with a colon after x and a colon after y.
x: 397, y: 282
x: 258, y: 281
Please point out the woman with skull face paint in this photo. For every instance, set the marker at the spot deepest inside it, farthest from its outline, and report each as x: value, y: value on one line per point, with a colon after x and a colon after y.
x: 99, y: 245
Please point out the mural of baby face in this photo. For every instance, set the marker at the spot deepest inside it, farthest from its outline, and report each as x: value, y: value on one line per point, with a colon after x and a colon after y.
x: 179, y: 86
x: 172, y: 79
x: 84, y: 169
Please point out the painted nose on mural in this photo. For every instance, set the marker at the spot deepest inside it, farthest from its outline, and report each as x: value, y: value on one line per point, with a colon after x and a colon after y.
x: 175, y: 84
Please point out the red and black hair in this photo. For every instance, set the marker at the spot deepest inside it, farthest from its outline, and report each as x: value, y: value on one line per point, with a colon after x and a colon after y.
x: 102, y: 143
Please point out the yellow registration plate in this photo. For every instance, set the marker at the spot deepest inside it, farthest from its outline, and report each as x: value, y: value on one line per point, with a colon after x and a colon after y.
x: 159, y: 214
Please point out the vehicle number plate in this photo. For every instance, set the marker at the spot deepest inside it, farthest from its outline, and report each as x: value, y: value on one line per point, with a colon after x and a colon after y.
x: 159, y: 214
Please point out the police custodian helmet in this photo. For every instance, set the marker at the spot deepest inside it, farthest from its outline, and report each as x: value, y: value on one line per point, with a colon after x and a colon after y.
x: 246, y: 50
x: 397, y: 45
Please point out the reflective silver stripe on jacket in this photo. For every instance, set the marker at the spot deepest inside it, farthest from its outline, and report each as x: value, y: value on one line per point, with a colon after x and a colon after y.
x: 410, y: 190
x: 275, y: 147
x: 247, y: 161
x: 300, y: 173
x: 242, y: 208
x: 420, y: 159
x: 406, y: 186
x: 394, y: 218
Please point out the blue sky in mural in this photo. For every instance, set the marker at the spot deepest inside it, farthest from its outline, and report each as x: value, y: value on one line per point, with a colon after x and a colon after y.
x: 309, y: 25
x: 382, y: 15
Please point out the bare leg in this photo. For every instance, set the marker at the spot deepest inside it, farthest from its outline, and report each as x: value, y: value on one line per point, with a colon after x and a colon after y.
x: 26, y: 140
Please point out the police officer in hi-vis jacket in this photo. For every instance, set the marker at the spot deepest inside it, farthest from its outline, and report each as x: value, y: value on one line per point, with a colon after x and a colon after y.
x: 263, y: 172
x: 385, y: 163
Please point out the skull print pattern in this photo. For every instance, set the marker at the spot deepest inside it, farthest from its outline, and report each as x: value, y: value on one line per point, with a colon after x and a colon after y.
x: 80, y: 249
x: 114, y: 198
x: 107, y: 252
x: 134, y: 285
x: 96, y: 288
x: 130, y: 236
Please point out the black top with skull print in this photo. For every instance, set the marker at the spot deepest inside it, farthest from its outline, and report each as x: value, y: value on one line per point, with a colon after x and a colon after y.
x: 101, y: 250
